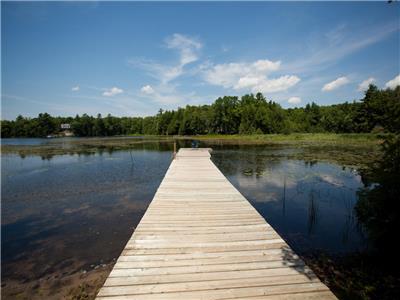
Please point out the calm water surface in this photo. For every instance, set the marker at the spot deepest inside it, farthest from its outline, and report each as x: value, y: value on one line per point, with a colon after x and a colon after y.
x: 75, y: 212
x: 310, y: 204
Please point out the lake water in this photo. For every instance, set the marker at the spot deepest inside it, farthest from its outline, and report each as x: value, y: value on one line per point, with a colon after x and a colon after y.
x: 73, y: 213
x: 310, y: 204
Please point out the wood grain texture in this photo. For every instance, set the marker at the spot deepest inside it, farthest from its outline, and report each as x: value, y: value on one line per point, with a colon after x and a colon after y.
x: 201, y: 239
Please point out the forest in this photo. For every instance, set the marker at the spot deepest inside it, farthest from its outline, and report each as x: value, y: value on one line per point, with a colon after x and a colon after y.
x: 378, y: 111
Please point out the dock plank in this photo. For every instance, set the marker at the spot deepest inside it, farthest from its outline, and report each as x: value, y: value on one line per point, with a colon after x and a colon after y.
x: 201, y: 239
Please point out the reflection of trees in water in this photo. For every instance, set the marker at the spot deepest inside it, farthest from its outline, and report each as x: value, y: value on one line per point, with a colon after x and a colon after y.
x: 309, y: 163
x: 312, y: 212
x: 296, y: 191
x: 331, y: 195
x: 245, y: 161
x: 95, y: 148
x: 378, y: 207
x: 284, y: 196
x: 349, y: 220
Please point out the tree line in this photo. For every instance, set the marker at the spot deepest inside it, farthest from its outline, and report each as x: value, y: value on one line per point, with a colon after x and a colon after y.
x: 379, y: 110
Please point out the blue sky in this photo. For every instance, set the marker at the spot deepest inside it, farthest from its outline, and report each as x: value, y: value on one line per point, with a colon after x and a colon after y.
x: 132, y: 58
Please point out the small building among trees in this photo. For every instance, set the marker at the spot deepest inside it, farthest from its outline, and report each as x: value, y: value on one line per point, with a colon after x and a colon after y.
x: 66, y: 129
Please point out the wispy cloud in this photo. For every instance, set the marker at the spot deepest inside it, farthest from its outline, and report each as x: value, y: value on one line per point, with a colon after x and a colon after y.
x: 339, y: 43
x: 392, y: 84
x: 163, y: 73
x: 333, y: 85
x: 187, y: 46
x: 188, y: 49
x: 75, y: 88
x: 163, y: 94
x: 164, y: 91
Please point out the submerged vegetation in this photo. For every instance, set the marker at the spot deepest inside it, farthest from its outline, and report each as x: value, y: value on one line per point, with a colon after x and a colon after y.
x: 378, y: 111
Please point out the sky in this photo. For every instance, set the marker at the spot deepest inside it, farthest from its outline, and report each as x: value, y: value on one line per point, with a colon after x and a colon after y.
x: 133, y: 58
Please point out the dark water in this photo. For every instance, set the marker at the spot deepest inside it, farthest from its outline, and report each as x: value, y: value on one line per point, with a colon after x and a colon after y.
x: 73, y: 212
x: 310, y: 204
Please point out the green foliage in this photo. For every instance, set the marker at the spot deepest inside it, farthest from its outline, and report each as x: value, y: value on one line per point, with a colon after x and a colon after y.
x: 225, y: 115
x: 378, y: 111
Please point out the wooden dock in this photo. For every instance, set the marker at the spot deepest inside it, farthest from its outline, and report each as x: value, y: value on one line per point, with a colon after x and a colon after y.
x: 201, y: 239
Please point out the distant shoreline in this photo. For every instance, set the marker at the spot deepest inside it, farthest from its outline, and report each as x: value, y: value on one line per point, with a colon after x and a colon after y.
x: 353, y: 138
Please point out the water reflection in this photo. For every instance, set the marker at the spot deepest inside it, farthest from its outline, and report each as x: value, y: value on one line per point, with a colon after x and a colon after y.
x: 71, y: 211
x: 46, y: 150
x: 309, y: 203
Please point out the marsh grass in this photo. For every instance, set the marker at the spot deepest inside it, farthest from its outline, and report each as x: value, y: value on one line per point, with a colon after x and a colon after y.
x: 307, y: 138
x: 347, y: 149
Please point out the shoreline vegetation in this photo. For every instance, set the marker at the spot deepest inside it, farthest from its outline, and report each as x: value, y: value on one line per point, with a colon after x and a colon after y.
x: 338, y: 148
x: 377, y: 112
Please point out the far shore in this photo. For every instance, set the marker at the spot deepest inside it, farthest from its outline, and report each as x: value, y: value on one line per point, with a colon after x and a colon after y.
x: 251, y: 138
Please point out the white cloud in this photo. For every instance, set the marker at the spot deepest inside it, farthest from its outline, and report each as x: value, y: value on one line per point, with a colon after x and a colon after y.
x: 226, y: 75
x: 392, y: 84
x: 253, y: 76
x: 147, y: 89
x: 335, y: 84
x: 247, y: 82
x: 265, y: 65
x: 112, y: 92
x: 229, y: 75
x: 187, y: 46
x: 294, y: 100
x: 365, y: 84
x: 276, y: 85
x: 75, y: 88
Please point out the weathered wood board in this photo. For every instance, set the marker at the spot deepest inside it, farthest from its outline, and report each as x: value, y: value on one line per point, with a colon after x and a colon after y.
x: 201, y: 239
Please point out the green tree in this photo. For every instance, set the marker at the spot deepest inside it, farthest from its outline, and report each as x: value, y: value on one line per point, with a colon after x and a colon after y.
x: 226, y: 115
x: 379, y: 110
x: 99, y: 129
